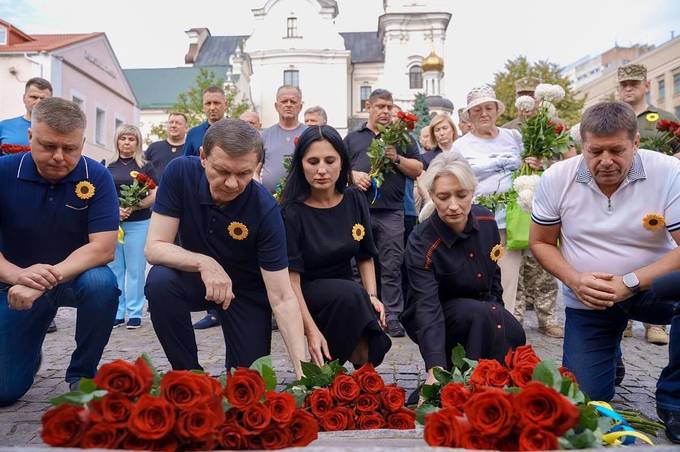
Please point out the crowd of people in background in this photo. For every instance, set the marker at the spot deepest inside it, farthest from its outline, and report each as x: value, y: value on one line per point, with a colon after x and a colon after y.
x: 329, y: 263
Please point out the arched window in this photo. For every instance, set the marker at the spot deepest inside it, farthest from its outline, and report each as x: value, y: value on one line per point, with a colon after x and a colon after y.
x: 415, y: 77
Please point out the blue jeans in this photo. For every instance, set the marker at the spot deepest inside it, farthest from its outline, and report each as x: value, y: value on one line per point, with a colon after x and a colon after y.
x: 129, y: 266
x: 95, y: 296
x: 592, y: 342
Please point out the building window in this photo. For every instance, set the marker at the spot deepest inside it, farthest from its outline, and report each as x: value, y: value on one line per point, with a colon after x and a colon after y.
x: 100, y: 127
x: 415, y: 77
x: 3, y: 35
x: 364, y: 94
x: 291, y: 77
x: 291, y: 27
x: 662, y: 89
x: 676, y: 83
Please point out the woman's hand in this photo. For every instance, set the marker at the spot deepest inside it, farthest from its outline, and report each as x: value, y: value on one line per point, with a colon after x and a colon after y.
x: 534, y: 163
x: 124, y: 212
x: 380, y: 310
x: 318, y: 347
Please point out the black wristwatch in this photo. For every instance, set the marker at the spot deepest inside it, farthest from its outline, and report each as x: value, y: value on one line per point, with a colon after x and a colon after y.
x: 397, y: 160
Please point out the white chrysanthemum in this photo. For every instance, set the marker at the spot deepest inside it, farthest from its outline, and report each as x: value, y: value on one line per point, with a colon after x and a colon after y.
x: 549, y: 92
x: 524, y: 199
x: 525, y: 103
x: 552, y: 111
x: 523, y: 183
x: 542, y: 91
x: 557, y: 93
x: 575, y: 133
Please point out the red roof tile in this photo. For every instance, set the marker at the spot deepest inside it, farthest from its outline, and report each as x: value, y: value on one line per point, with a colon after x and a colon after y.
x: 47, y: 42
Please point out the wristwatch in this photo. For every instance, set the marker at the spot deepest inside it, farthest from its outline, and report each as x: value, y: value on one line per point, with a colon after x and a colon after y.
x: 632, y: 282
x: 397, y: 160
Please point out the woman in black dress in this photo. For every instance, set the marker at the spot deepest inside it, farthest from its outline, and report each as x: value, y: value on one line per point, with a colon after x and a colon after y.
x: 455, y: 293
x: 328, y: 224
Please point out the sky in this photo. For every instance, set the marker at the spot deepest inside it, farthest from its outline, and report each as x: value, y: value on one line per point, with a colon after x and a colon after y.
x: 481, y: 36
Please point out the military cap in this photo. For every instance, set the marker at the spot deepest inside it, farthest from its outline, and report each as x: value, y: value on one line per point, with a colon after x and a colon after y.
x: 526, y: 84
x: 632, y: 72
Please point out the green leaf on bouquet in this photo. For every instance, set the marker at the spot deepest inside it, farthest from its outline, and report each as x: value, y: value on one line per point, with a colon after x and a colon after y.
x: 310, y: 369
x: 570, y: 390
x: 457, y: 376
x: 156, y: 376
x: 87, y: 385
x: 265, y: 368
x: 423, y: 410
x: 546, y: 372
x: 78, y: 398
x: 585, y: 440
x: 444, y: 377
x: 471, y: 363
x: 458, y: 357
x: 300, y: 393
x: 589, y: 418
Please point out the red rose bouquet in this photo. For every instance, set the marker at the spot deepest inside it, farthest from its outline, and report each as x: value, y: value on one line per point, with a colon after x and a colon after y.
x: 395, y: 134
x: 522, y: 404
x: 131, y: 195
x: 666, y: 140
x: 360, y: 401
x: 131, y: 406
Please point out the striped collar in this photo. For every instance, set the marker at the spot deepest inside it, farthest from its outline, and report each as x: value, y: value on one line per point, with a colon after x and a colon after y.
x: 636, y: 172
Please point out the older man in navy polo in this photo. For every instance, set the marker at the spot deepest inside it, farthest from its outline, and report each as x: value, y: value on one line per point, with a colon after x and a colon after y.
x: 58, y: 226
x: 233, y: 253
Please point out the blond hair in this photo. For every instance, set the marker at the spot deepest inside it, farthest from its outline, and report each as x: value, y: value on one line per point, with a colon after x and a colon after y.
x: 129, y: 129
x: 436, y: 120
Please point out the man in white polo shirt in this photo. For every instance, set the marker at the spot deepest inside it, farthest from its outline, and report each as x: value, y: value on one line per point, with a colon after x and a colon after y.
x: 616, y: 213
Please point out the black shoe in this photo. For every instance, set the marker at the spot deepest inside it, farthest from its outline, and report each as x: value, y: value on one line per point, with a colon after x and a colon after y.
x: 74, y: 386
x: 209, y: 321
x: 395, y: 329
x: 620, y: 373
x: 52, y: 328
x: 672, y: 421
x: 414, y: 397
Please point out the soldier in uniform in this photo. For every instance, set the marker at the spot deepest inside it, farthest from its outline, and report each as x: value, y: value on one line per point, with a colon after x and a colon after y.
x: 536, y: 287
x: 632, y: 89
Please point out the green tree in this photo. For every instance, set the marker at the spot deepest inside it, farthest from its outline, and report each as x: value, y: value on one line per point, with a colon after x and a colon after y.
x: 191, y: 103
x: 422, y: 111
x: 569, y: 108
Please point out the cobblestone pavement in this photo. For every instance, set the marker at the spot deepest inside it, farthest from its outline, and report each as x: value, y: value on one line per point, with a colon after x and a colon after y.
x: 20, y: 423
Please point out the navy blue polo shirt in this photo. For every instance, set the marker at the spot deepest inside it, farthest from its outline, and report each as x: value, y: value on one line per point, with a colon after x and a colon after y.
x: 245, y: 235
x: 42, y: 221
x: 194, y: 139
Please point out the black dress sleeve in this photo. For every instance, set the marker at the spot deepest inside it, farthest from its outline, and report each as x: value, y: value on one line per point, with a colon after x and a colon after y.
x: 367, y: 248
x: 427, y: 317
x: 294, y: 238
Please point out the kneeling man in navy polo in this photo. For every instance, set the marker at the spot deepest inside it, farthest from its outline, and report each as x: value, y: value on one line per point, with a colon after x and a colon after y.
x: 233, y: 253
x: 616, y: 213
x: 58, y: 226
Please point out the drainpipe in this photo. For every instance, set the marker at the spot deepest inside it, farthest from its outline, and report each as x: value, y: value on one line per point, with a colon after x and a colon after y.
x: 32, y: 60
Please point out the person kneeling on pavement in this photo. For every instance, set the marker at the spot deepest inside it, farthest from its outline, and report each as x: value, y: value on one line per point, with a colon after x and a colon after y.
x: 455, y: 294
x: 58, y: 228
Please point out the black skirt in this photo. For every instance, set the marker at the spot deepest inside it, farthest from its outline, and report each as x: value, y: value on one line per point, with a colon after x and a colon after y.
x: 343, y: 313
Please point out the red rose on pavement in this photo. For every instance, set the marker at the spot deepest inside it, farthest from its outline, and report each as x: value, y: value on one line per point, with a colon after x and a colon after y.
x: 275, y: 438
x: 131, y: 442
x: 196, y: 423
x: 63, y: 426
x: 303, y: 429
x: 509, y: 443
x: 475, y: 440
x: 454, y: 395
x: 369, y: 380
x: 567, y: 373
x: 489, y: 372
x: 206, y: 443
x: 524, y: 355
x: 281, y: 405
x: 151, y: 417
x: 185, y: 389
x: 404, y: 419
x: 338, y: 418
x: 534, y: 438
x: 490, y: 412
x: 392, y: 398
x: 231, y: 436
x: 121, y: 377
x: 244, y: 387
x: 370, y: 421
x: 115, y: 408
x: 256, y: 417
x: 102, y: 436
x: 663, y: 125
x: 344, y: 389
x: 444, y: 428
x: 367, y: 403
x: 320, y: 402
x: 521, y: 375
x: 540, y: 406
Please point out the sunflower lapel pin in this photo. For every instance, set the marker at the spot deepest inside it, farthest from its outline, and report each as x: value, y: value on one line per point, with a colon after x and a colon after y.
x: 653, y: 222
x: 84, y: 190
x: 497, y: 253
x: 358, y: 232
x: 237, y: 230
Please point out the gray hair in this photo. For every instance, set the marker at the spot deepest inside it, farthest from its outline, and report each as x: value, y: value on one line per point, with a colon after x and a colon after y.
x: 450, y: 164
x: 285, y: 87
x: 609, y: 118
x: 128, y: 129
x: 233, y: 136
x: 317, y: 110
x: 59, y: 114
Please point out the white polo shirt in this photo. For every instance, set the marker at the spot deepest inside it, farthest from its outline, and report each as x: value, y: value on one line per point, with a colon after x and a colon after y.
x: 600, y: 234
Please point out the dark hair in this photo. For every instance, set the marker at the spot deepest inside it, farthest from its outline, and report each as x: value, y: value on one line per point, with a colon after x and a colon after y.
x: 297, y: 188
x: 380, y: 93
x: 609, y: 118
x: 233, y: 136
x: 39, y: 83
x: 214, y: 89
x: 59, y: 114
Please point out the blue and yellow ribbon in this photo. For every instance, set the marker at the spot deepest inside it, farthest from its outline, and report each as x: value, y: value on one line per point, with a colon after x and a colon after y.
x: 621, y: 429
x: 121, y: 235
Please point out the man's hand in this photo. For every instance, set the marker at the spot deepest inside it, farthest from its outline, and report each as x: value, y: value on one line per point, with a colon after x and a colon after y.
x: 39, y: 277
x: 21, y: 298
x: 534, y: 163
x: 594, y: 290
x: 218, y: 286
x: 391, y: 153
x: 318, y: 347
x: 620, y: 290
x: 361, y: 180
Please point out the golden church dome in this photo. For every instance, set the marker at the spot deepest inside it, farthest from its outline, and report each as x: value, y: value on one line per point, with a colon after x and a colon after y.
x: 432, y: 62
